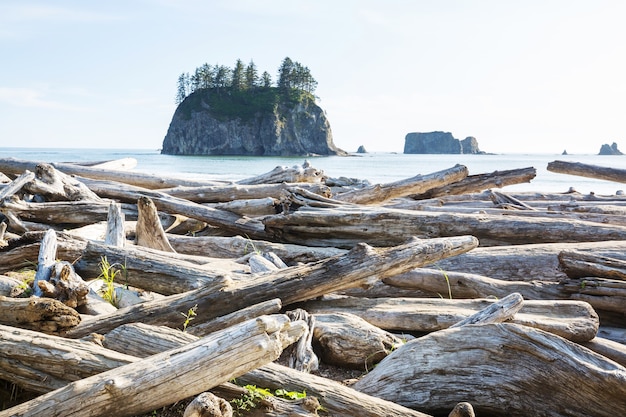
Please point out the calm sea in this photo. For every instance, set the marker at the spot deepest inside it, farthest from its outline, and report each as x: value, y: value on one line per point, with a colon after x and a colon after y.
x: 374, y: 167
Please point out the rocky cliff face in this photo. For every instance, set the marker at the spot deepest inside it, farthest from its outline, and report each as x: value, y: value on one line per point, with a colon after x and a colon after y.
x: 296, y: 130
x: 439, y: 143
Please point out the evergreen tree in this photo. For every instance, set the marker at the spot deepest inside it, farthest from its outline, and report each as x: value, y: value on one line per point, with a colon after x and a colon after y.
x: 285, y: 74
x: 266, y: 80
x: 238, y: 81
x: 183, y: 87
x: 252, y: 75
x: 206, y: 76
x: 222, y: 77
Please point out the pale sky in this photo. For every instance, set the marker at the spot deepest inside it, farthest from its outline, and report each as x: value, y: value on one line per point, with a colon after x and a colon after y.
x: 532, y: 76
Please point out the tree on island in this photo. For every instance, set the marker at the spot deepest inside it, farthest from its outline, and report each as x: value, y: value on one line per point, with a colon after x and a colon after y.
x: 293, y: 77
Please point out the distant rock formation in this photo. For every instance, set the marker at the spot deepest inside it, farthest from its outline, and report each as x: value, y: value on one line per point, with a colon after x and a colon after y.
x: 610, y: 150
x: 564, y: 152
x: 439, y: 143
x: 290, y: 129
x: 361, y: 149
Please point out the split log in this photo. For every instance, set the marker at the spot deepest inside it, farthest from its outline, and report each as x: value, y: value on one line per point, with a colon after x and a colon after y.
x: 476, y: 183
x: 170, y: 376
x: 498, y: 362
x: 149, y: 231
x: 41, y: 314
x: 237, y: 246
x: 148, y: 270
x: 344, y: 227
x: 223, y: 219
x: 349, y: 341
x: 573, y: 320
x: 45, y: 261
x: 419, y: 184
x: 16, y: 167
x: 578, y: 264
x: 452, y: 284
x: 304, y: 173
x: 115, y: 234
x: 232, y: 192
x: 587, y: 170
x: 291, y: 285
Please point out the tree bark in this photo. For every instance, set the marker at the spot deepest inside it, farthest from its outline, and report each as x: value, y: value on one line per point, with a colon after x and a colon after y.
x: 587, y: 170
x: 573, y: 320
x: 291, y: 285
x: 173, y: 375
x: 502, y: 370
x: 421, y: 183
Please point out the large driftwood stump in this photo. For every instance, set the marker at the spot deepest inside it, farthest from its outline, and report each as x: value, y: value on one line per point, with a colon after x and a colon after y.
x: 502, y: 370
x: 55, y: 185
x: 150, y: 233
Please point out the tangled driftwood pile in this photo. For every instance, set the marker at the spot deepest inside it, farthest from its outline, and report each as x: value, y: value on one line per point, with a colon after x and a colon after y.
x: 150, y: 290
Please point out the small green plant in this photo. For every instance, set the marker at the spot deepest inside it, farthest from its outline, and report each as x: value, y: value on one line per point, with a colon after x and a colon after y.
x: 250, y: 243
x: 254, y: 395
x: 191, y: 314
x: 108, y: 273
x: 445, y: 275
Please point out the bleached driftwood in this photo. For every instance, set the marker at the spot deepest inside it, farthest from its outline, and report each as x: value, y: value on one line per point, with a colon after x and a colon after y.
x: 280, y: 174
x: 574, y: 320
x: 498, y: 312
x: 16, y: 185
x: 45, y: 261
x: 507, y: 370
x: 420, y: 183
x: 476, y: 183
x: 578, y: 264
x: 148, y: 384
x: 115, y: 234
x: 291, y: 285
x: 346, y: 226
x: 54, y: 185
x: 300, y: 355
x: 588, y: 170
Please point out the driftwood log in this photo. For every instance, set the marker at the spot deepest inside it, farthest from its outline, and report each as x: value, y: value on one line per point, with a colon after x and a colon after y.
x: 588, y: 170
x: 149, y: 231
x: 291, y: 285
x: 574, y: 320
x: 578, y: 264
x: 170, y: 376
x: 382, y: 192
x: 346, y: 226
x: 499, y: 361
x: 42, y: 314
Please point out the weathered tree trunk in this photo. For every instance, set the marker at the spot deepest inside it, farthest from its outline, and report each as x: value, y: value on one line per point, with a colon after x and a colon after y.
x: 291, y: 285
x: 608, y: 348
x: 149, y: 270
x: 573, y: 320
x: 587, y: 170
x: 304, y: 173
x: 452, y: 284
x: 115, y: 234
x: 526, y: 262
x: 383, y: 227
x: 231, y: 192
x: 477, y: 183
x: 419, y: 184
x: 502, y: 370
x: 45, y: 260
x: 16, y: 185
x: 16, y: 166
x: 237, y: 246
x: 55, y: 185
x: 578, y: 264
x: 170, y: 376
x: 42, y: 314
x: 603, y: 294
x: 149, y: 231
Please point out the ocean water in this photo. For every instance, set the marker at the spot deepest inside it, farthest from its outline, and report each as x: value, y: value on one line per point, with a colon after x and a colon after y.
x: 374, y: 167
